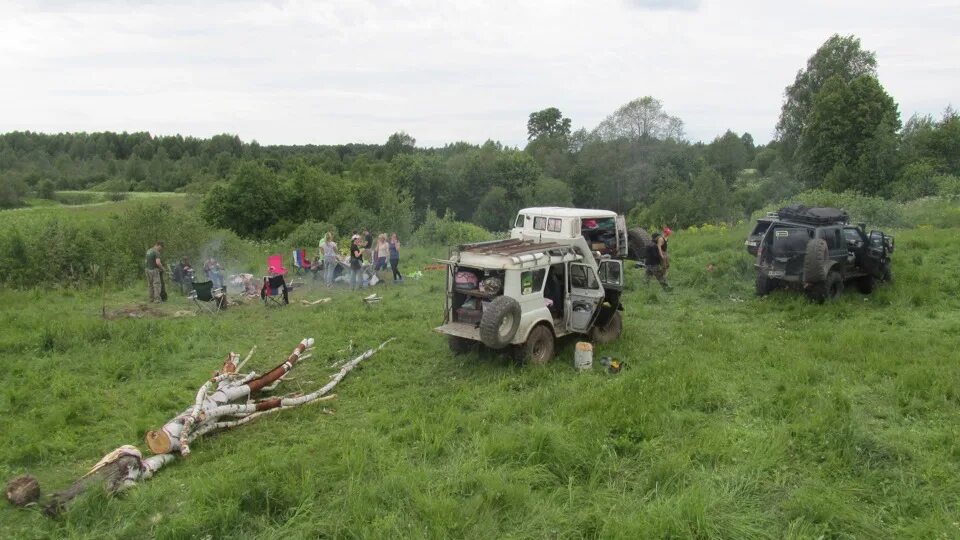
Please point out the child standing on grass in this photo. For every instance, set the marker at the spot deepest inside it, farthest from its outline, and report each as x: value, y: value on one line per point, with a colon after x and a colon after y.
x: 394, y: 250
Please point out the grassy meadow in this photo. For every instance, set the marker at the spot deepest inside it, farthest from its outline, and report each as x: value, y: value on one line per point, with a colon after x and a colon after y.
x: 736, y: 416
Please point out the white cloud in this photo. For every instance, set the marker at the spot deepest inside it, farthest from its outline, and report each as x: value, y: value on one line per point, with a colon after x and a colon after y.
x: 309, y: 72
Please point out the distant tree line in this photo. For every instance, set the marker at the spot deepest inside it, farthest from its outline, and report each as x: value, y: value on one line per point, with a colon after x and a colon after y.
x: 838, y: 130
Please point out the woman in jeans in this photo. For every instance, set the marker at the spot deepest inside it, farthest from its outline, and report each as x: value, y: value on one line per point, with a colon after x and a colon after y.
x: 356, y: 262
x: 381, y: 253
x: 394, y: 247
x: 329, y: 259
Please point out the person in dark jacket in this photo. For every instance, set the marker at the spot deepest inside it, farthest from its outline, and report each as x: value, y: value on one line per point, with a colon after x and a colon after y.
x: 356, y: 262
x: 658, y: 259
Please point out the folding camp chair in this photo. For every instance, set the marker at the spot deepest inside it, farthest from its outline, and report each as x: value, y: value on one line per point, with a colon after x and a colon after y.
x: 274, y: 290
x: 206, y: 297
x: 183, y: 277
x: 275, y: 265
x: 300, y: 262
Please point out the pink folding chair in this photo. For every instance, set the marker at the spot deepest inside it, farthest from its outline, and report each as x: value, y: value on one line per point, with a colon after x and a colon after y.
x: 275, y: 265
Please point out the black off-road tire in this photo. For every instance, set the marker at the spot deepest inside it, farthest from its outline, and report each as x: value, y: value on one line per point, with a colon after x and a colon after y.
x: 459, y: 345
x: 829, y: 289
x: 814, y: 260
x: 887, y: 273
x: 500, y: 322
x: 637, y: 241
x: 765, y: 285
x: 538, y: 349
x: 609, y: 332
x: 866, y: 284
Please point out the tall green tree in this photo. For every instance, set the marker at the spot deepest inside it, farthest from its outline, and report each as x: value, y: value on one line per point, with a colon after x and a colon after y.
x: 849, y: 140
x: 729, y: 154
x: 640, y: 119
x: 839, y: 56
x: 249, y: 204
x: 549, y: 122
x: 399, y: 143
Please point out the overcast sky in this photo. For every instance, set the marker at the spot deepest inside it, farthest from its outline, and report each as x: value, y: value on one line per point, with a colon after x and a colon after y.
x: 357, y: 71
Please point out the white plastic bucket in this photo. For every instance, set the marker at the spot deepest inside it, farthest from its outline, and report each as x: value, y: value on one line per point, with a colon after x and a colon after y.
x: 583, y: 356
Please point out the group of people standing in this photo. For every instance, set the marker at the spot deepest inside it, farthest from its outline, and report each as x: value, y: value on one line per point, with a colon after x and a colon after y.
x: 363, y: 248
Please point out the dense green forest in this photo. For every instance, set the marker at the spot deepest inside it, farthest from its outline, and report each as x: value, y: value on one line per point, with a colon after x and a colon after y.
x: 839, y: 130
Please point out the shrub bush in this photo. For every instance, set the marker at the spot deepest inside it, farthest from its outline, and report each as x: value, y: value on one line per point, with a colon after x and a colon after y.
x: 873, y: 210
x: 78, y: 197
x: 310, y: 234
x: 448, y: 231
x: 52, y: 251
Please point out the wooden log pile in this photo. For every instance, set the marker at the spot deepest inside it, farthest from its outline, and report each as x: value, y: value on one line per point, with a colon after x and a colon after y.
x: 228, y: 399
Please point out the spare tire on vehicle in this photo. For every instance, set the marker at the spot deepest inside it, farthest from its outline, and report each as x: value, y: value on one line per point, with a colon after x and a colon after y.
x: 500, y: 321
x: 814, y: 261
x: 637, y: 241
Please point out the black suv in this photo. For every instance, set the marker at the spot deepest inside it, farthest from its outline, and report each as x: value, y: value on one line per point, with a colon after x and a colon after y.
x: 817, y: 249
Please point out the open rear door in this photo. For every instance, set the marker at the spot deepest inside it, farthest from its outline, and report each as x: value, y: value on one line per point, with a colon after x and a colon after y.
x: 621, y: 237
x: 875, y: 254
x: 584, y: 295
x: 611, y: 274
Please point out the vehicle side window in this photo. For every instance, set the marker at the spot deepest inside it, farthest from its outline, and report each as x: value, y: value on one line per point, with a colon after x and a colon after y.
x: 610, y: 273
x: 531, y: 281
x: 582, y: 277
x: 853, y: 235
x: 553, y: 224
x: 519, y: 222
x: 760, y: 228
x: 832, y: 236
x: 540, y: 223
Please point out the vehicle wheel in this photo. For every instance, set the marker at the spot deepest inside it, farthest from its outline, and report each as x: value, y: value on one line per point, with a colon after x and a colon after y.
x: 865, y: 284
x: 833, y: 286
x: 814, y: 261
x: 609, y: 332
x: 637, y: 241
x: 459, y: 345
x: 539, y: 346
x: 887, y: 273
x: 500, y: 322
x: 765, y: 285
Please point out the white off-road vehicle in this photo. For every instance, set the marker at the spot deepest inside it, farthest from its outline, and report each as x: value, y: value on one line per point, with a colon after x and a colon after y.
x: 556, y: 275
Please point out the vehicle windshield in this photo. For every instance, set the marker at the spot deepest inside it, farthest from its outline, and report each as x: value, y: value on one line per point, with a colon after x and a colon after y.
x: 852, y: 235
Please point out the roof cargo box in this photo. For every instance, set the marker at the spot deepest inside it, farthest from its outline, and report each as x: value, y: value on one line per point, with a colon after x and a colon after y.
x: 813, y: 215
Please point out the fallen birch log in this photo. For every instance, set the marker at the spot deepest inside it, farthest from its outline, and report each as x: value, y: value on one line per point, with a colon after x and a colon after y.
x: 211, y: 411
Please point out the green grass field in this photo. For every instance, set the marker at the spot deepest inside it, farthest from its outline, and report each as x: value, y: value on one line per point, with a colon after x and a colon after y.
x: 736, y: 417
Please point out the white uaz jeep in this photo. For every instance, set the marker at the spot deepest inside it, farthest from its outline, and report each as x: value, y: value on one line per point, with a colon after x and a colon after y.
x: 542, y: 283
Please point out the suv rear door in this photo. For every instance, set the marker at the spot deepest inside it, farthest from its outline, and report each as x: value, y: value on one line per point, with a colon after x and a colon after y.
x: 875, y: 254
x: 584, y: 295
x: 621, y: 236
x: 753, y: 239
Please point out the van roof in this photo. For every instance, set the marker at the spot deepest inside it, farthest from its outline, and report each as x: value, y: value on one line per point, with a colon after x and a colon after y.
x: 559, y: 211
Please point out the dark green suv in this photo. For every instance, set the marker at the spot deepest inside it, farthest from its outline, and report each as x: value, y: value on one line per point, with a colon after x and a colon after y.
x: 818, y: 251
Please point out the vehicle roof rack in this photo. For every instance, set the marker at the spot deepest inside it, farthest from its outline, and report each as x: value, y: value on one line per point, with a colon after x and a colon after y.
x: 512, y: 247
x: 813, y: 215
